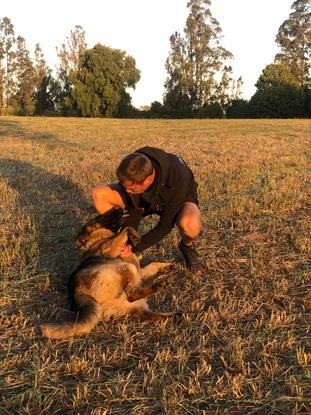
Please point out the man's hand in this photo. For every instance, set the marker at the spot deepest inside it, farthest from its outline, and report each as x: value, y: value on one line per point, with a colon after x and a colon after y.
x: 126, y: 251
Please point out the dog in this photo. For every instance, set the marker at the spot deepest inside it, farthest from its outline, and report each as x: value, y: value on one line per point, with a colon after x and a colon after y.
x: 104, y: 284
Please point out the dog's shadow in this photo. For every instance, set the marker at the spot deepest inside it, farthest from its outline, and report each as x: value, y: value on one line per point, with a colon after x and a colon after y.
x: 56, y: 209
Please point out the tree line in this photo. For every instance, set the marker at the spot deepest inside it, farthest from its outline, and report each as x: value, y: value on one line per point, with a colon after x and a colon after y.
x: 95, y: 82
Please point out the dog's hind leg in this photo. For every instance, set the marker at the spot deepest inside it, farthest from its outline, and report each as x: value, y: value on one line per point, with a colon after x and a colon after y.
x: 145, y: 315
x: 151, y: 269
x: 136, y: 293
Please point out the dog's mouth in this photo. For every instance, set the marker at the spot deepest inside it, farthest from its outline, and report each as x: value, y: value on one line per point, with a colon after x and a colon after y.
x: 112, y: 247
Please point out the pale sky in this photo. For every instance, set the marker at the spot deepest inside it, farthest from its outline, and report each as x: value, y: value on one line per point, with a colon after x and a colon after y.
x: 142, y: 29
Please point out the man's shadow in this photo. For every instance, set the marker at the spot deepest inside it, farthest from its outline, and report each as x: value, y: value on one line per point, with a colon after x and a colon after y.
x: 56, y: 209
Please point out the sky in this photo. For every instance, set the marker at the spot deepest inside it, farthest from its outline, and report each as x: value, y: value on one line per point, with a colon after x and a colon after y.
x: 142, y: 29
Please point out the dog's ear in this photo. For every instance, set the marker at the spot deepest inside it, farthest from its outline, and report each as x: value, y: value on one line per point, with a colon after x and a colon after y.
x: 103, y: 227
x: 85, y: 241
x: 112, y: 220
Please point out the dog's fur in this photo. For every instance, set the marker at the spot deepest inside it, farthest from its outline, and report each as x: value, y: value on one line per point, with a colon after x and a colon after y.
x: 104, y: 284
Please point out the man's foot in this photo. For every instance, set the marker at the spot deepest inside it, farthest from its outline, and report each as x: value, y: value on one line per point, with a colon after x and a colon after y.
x: 191, y: 257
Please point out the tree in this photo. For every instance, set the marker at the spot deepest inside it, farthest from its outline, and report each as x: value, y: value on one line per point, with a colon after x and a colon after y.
x: 1, y: 74
x: 7, y: 62
x: 278, y: 94
x: 68, y: 55
x: 294, y: 39
x: 47, y: 95
x: 177, y: 100
x: 238, y: 108
x: 22, y: 100
x: 194, y: 62
x: 157, y: 110
x: 42, y: 96
x: 212, y: 110
x: 100, y: 83
x: 228, y: 89
x: 72, y: 49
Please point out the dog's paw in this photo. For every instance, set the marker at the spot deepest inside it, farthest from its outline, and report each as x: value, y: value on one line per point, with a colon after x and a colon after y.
x: 163, y: 265
x: 164, y: 282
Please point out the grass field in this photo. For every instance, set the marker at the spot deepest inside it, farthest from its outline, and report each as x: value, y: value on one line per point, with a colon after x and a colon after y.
x: 243, y: 345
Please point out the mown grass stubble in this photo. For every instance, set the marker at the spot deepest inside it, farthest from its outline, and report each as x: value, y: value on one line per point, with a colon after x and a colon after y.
x: 243, y: 345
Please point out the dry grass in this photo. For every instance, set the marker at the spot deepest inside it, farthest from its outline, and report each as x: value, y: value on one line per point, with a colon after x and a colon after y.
x: 243, y: 345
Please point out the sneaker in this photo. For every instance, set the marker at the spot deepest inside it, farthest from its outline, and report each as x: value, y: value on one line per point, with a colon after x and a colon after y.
x: 191, y: 257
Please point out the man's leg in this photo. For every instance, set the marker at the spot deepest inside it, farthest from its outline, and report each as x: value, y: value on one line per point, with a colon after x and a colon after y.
x: 106, y: 197
x: 189, y: 226
x: 189, y: 222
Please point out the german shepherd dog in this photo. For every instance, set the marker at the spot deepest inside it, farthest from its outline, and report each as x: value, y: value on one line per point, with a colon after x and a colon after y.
x: 104, y: 284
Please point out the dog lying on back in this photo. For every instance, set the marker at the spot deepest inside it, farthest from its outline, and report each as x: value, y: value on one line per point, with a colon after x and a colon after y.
x: 104, y: 284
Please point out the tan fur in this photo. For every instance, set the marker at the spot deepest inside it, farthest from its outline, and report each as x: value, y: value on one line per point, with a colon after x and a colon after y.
x: 105, y: 284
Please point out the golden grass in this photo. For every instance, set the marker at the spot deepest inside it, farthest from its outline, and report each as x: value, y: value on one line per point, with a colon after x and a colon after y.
x: 243, y: 344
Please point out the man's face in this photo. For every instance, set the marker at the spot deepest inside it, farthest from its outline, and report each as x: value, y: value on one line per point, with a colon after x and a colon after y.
x: 135, y: 188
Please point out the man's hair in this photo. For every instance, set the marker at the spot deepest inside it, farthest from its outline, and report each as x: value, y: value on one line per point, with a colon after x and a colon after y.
x: 135, y: 167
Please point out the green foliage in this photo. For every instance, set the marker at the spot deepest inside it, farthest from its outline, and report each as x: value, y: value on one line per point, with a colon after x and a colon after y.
x: 43, y: 99
x: 238, y: 108
x: 124, y: 108
x: 213, y: 110
x: 177, y: 104
x: 307, y: 96
x: 44, y: 102
x: 278, y: 94
x: 275, y: 75
x: 99, y: 84
x: 157, y: 110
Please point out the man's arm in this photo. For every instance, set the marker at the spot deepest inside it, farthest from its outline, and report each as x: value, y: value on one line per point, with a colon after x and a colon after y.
x: 163, y: 228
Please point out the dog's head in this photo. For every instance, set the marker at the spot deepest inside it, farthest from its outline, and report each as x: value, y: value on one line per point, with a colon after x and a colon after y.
x: 106, y: 234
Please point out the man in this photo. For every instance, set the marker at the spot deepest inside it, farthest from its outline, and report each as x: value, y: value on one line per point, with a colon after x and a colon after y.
x: 152, y: 181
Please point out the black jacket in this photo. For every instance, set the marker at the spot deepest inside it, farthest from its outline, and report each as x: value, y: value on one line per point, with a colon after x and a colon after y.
x: 175, y: 186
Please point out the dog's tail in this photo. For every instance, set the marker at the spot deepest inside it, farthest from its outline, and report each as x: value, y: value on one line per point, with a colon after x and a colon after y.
x: 88, y: 316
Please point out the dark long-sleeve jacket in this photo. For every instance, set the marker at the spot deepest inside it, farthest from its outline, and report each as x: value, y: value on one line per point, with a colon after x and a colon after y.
x: 174, y: 186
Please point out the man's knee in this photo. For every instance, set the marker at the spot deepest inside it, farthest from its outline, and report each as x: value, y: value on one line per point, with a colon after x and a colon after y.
x: 104, y: 198
x: 190, y: 227
x: 189, y: 221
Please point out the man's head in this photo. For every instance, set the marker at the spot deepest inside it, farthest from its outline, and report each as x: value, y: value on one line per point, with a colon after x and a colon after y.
x: 135, y: 173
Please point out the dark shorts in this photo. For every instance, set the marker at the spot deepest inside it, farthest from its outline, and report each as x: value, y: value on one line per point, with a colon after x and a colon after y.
x: 193, y: 194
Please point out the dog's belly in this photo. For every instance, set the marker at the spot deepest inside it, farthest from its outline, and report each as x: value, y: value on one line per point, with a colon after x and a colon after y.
x: 111, y: 280
x: 107, y: 286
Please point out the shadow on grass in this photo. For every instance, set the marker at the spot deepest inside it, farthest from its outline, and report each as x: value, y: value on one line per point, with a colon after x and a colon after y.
x: 17, y: 130
x: 56, y: 209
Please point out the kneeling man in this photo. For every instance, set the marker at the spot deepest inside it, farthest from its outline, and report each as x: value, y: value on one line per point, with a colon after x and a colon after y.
x: 152, y: 181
